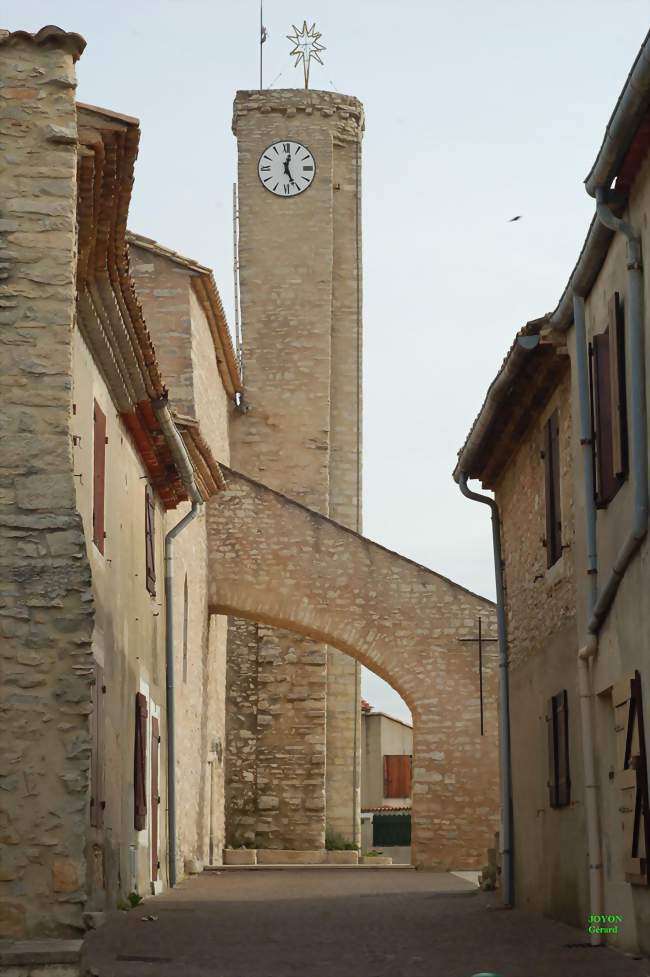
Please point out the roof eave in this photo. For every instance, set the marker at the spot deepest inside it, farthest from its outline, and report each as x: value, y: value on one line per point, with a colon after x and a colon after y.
x: 628, y: 112
x: 494, y: 399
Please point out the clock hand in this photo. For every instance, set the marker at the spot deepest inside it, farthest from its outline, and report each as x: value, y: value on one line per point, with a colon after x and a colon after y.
x: 286, y: 169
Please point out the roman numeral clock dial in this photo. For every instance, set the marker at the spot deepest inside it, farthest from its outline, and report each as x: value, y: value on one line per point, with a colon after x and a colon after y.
x: 286, y: 168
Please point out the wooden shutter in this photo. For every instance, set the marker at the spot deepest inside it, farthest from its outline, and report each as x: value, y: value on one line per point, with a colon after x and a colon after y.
x: 562, y: 733
x: 150, y: 548
x: 609, y: 410
x: 617, y: 387
x: 551, y: 455
x: 140, y: 764
x: 99, y: 475
x: 559, y: 779
x: 397, y: 776
x: 632, y: 778
x: 155, y: 798
x: 552, y: 748
x: 97, y: 802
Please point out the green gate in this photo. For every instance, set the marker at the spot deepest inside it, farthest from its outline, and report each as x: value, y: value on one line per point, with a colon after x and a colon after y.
x: 391, y: 829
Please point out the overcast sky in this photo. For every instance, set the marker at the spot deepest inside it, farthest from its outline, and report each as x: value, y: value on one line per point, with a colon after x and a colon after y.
x: 475, y: 112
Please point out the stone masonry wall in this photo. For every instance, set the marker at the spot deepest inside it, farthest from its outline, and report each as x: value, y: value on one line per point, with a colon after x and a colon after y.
x: 276, y: 562
x: 289, y: 304
x: 539, y: 600
x: 46, y: 604
x: 540, y: 603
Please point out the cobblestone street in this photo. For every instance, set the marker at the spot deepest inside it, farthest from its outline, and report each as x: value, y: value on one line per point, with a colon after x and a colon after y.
x: 341, y: 923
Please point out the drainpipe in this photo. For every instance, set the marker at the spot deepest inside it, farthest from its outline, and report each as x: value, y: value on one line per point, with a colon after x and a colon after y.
x: 638, y: 419
x: 588, y: 650
x: 507, y: 841
x: 184, y: 465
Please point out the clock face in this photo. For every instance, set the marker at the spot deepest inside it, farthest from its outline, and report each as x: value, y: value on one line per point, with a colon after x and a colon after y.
x: 286, y: 168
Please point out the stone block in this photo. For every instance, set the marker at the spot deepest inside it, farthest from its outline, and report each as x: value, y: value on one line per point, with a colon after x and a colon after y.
x: 65, y: 876
x: 12, y: 920
x: 239, y: 856
x: 40, y: 958
x: 267, y: 803
x: 376, y: 860
x: 279, y: 856
x: 342, y: 858
x: 45, y: 492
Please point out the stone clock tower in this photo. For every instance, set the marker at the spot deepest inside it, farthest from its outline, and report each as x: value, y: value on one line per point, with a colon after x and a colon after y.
x: 293, y: 727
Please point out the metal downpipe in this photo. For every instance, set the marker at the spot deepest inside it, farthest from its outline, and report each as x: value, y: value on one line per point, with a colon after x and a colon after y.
x: 505, y: 762
x: 186, y: 469
x: 586, y: 653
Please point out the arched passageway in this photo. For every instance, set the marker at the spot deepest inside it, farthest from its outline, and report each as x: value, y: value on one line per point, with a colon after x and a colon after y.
x: 276, y: 562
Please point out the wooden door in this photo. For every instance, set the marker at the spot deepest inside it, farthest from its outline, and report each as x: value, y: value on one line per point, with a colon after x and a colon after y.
x: 155, y: 798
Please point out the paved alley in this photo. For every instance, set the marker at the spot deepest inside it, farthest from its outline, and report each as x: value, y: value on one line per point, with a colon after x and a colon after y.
x: 341, y: 923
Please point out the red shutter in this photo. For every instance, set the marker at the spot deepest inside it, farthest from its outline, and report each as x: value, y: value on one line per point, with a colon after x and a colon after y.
x: 397, y: 776
x: 99, y: 475
x: 150, y: 551
x: 140, y: 764
x: 155, y: 799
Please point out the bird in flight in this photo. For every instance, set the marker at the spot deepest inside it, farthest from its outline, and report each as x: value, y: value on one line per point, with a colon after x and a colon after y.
x: 517, y: 218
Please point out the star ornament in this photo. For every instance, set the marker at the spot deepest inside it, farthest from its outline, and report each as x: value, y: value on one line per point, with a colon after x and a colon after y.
x: 306, y: 47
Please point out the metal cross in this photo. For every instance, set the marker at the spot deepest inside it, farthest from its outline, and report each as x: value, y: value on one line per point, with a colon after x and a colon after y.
x: 480, y: 639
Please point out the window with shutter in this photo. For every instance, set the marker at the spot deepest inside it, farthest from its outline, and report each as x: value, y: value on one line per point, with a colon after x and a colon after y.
x: 150, y: 542
x: 140, y: 764
x: 397, y: 775
x: 551, y: 455
x: 609, y: 405
x: 559, y: 779
x: 632, y: 778
x: 98, y: 690
x: 99, y: 475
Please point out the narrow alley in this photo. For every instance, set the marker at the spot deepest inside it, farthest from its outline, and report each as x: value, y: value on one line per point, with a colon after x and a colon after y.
x: 340, y: 922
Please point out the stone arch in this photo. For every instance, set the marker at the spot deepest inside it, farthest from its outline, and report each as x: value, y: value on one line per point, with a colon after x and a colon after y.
x: 276, y: 562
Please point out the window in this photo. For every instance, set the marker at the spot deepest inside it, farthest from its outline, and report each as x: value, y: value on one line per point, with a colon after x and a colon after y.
x: 397, y: 776
x: 632, y: 778
x: 609, y: 408
x: 557, y: 721
x: 99, y: 475
x: 150, y: 540
x: 551, y: 456
x: 140, y: 764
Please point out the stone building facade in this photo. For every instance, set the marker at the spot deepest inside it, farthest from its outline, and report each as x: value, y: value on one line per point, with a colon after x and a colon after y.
x: 579, y: 627
x: 91, y: 485
x: 510, y: 458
